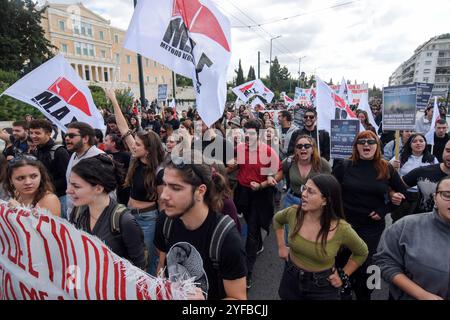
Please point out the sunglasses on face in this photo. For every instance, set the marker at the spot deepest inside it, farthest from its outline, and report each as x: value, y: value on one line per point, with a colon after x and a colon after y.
x: 309, y: 117
x: 72, y: 135
x: 364, y: 141
x: 305, y: 146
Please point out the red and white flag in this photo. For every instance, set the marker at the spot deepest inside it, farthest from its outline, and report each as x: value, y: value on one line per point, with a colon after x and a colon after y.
x: 55, y: 89
x: 253, y: 88
x: 193, y: 39
x: 328, y: 105
x: 287, y: 101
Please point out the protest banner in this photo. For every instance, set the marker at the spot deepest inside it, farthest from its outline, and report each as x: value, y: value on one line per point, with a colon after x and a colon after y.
x: 44, y: 257
x: 305, y: 97
x: 55, y: 89
x: 162, y: 92
x: 399, y: 107
x: 343, y: 133
x: 253, y: 88
x: 356, y: 90
x: 423, y: 95
x: 193, y: 39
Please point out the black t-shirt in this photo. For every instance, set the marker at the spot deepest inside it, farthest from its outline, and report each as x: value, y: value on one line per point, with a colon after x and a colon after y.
x: 174, y: 123
x: 232, y: 259
x: 138, y: 189
x: 363, y: 193
x: 426, y: 179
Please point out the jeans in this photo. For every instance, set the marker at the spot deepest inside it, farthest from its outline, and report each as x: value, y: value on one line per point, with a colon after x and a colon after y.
x: 147, y: 222
x: 289, y: 201
x: 63, y: 200
x: 298, y: 284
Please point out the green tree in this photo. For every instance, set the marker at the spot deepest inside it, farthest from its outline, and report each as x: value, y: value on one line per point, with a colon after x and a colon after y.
x: 331, y: 82
x: 251, y: 74
x: 183, y: 81
x: 99, y: 97
x: 10, y: 108
x: 125, y: 99
x: 375, y: 92
x: 275, y: 74
x: 23, y: 45
x: 239, y: 75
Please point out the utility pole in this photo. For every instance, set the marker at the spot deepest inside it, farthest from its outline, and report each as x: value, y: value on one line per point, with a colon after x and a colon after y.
x: 174, y: 87
x: 259, y: 64
x: 141, y: 76
x: 270, y: 61
x: 299, y: 70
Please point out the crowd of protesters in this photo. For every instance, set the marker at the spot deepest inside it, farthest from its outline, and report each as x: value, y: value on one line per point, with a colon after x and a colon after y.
x: 164, y: 178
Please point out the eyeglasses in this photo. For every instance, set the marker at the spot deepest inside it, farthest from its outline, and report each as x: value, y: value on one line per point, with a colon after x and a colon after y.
x: 444, y: 195
x: 309, y: 117
x: 72, y: 135
x: 310, y: 191
x: 364, y: 141
x: 301, y: 146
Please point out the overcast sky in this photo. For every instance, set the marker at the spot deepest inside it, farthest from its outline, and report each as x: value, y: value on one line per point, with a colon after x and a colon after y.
x: 363, y: 40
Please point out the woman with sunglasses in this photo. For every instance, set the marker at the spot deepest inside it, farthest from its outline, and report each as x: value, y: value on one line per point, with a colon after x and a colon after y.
x: 366, y: 180
x: 413, y: 155
x: 28, y: 183
x: 299, y: 168
x: 144, y: 178
x: 413, y: 253
x: 317, y: 230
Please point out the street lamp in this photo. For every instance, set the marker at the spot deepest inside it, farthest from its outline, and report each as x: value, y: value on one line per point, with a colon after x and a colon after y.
x: 270, y: 61
x: 299, y: 73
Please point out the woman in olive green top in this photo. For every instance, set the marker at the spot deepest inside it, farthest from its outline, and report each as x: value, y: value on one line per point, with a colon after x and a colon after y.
x: 297, y: 169
x: 317, y: 230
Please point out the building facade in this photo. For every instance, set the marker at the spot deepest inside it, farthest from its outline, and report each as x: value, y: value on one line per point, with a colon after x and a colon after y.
x: 430, y: 64
x: 95, y: 50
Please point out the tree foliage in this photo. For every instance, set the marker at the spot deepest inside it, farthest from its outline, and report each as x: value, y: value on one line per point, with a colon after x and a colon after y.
x: 239, y: 74
x: 251, y: 74
x: 23, y: 45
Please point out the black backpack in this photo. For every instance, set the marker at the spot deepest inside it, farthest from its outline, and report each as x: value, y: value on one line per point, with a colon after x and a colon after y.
x: 117, y: 212
x: 224, y: 224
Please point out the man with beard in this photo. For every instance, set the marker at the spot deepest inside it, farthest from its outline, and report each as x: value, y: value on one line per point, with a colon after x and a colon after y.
x: 18, y: 138
x: 192, y: 198
x: 80, y: 139
x: 440, y: 138
x: 310, y: 129
x: 426, y: 179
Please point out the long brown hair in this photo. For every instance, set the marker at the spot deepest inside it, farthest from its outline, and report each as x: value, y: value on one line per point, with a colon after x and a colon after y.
x: 315, y: 158
x: 45, y: 186
x: 381, y: 165
x: 152, y: 144
x: 330, y: 189
x: 189, y: 125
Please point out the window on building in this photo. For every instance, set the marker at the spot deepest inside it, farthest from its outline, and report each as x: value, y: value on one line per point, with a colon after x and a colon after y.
x: 103, y: 53
x: 61, y: 25
x: 429, y: 54
x: 129, y: 77
x: 105, y: 76
x: 116, y: 38
x: 427, y: 63
x: 163, y: 80
x: 102, y: 35
x: 146, y: 62
x: 76, y: 26
x: 64, y: 47
x: 154, y: 63
x: 85, y: 49
x: 148, y: 79
x: 426, y: 71
x: 117, y: 58
x: 426, y: 79
x: 156, y: 79
x: 78, y: 48
x: 89, y: 31
x: 83, y: 30
x: 441, y: 54
x: 128, y: 59
x: 91, y: 50
x: 88, y: 74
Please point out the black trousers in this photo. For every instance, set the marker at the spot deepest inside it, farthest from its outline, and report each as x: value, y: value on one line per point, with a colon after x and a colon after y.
x: 371, y: 236
x: 258, y: 210
x: 298, y: 284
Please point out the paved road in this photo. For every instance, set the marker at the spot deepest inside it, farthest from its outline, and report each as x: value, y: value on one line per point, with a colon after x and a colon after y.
x: 269, y: 268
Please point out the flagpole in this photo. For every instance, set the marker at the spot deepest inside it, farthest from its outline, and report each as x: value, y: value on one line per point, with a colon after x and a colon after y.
x: 141, y: 75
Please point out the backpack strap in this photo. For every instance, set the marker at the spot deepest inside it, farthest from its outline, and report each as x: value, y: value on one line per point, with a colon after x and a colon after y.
x: 76, y: 214
x: 167, y: 227
x: 286, y: 166
x: 118, y: 211
x: 223, y: 226
x: 53, y: 150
